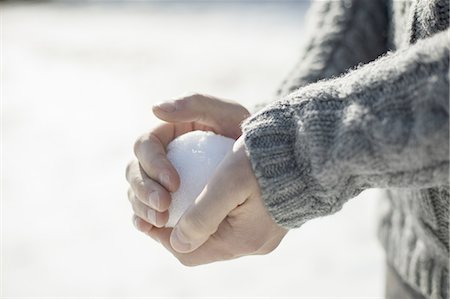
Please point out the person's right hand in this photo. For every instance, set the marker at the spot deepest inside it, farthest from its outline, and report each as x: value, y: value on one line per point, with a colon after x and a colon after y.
x: 152, y: 177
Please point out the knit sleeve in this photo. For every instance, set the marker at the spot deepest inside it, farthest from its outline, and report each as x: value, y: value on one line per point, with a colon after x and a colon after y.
x: 384, y: 124
x: 339, y: 36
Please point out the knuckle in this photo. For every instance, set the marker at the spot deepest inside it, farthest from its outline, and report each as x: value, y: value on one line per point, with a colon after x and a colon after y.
x: 265, y: 251
x: 130, y: 194
x: 137, y: 209
x: 192, y: 98
x: 145, y: 139
x: 188, y: 262
x: 252, y: 246
x: 131, y: 169
x: 192, y: 95
x: 138, y: 143
x: 249, y: 248
x: 133, y: 201
x: 138, y: 183
x: 184, y: 103
x: 159, y: 160
x: 195, y: 102
x: 150, y: 138
x: 228, y: 255
x: 195, y: 227
x: 129, y: 165
x: 128, y: 170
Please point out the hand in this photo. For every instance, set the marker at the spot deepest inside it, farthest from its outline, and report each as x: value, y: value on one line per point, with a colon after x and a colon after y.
x: 228, y: 219
x: 153, y: 176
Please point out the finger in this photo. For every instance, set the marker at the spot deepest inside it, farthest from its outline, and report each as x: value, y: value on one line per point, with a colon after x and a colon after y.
x: 224, y: 192
x: 161, y: 235
x: 214, y: 249
x: 146, y: 190
x: 150, y: 151
x: 224, y: 117
x: 145, y: 212
x: 142, y: 225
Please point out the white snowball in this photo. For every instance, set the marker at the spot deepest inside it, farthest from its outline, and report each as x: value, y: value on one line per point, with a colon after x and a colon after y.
x: 195, y: 156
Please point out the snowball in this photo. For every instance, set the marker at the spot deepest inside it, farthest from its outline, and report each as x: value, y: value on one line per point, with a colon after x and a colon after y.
x: 195, y: 156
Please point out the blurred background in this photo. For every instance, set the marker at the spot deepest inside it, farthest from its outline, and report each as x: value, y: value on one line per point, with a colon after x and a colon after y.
x: 78, y: 82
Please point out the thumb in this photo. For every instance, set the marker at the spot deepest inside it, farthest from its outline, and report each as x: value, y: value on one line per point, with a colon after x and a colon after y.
x: 222, y: 116
x: 221, y: 195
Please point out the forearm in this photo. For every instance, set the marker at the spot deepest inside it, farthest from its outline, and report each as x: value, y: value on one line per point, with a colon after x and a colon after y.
x: 382, y: 125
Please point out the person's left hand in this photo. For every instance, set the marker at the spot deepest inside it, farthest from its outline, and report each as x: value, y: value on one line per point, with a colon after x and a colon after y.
x: 228, y: 219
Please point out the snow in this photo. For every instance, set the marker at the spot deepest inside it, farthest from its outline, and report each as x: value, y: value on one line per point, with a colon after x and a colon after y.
x: 78, y: 84
x: 195, y: 156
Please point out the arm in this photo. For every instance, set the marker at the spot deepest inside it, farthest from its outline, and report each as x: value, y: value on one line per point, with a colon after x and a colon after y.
x: 382, y: 125
x: 341, y: 34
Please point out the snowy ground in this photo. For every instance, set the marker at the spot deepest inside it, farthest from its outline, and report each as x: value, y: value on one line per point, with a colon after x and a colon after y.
x: 78, y: 84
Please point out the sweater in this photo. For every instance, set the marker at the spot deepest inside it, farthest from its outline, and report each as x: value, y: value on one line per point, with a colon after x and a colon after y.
x: 366, y: 107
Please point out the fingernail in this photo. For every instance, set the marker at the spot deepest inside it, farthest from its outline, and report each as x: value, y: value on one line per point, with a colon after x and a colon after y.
x: 151, y: 216
x: 179, y: 241
x: 154, y: 200
x: 167, y: 106
x: 135, y: 222
x: 164, y: 179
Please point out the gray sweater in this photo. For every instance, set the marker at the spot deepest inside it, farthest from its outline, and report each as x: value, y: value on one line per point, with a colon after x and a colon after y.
x: 367, y: 106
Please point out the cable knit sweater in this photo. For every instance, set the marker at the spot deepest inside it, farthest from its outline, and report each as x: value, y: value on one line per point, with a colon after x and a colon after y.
x: 367, y: 106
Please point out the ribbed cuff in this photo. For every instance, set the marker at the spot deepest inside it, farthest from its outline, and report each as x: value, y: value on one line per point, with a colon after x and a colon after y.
x: 291, y: 194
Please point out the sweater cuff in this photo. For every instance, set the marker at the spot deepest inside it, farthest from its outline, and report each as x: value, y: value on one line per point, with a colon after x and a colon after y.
x: 289, y: 191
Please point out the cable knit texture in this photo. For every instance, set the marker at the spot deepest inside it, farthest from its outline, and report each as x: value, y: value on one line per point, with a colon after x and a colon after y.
x: 367, y: 106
